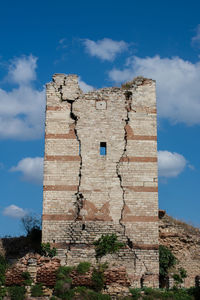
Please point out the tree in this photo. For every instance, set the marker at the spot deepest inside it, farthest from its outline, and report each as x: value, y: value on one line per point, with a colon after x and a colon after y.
x: 31, y: 222
x: 32, y: 226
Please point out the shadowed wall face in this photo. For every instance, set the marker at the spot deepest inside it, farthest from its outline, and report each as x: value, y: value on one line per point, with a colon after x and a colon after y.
x: 100, y: 172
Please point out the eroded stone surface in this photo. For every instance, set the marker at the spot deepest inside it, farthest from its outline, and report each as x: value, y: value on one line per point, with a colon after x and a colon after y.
x: 184, y: 241
x: 87, y: 194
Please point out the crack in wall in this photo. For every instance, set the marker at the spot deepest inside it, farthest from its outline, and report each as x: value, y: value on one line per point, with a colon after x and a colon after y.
x: 128, y: 103
x: 79, y: 196
x: 120, y: 177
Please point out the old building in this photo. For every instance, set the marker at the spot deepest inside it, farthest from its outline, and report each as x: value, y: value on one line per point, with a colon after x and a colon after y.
x: 100, y: 174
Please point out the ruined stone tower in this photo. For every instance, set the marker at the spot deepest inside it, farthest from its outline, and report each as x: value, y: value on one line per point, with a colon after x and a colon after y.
x: 100, y: 174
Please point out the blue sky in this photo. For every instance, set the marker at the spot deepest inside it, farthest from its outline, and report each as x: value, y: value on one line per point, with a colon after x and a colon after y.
x: 105, y: 43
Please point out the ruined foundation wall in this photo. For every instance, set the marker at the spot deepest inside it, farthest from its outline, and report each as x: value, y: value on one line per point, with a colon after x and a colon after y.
x: 184, y: 242
x: 87, y: 194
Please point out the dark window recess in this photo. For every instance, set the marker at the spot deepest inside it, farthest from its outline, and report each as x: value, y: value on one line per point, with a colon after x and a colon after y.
x: 102, y: 148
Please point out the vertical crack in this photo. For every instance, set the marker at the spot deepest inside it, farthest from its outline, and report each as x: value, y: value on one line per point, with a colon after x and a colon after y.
x: 78, y: 194
x: 128, y: 102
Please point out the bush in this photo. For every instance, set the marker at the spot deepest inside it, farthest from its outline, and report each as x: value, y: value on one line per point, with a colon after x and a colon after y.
x: 62, y: 289
x: 166, y: 260
x: 63, y: 283
x: 63, y: 272
x: 3, y: 291
x: 87, y: 294
x: 27, y: 278
x: 91, y: 295
x: 26, y: 275
x: 195, y: 292
x: 136, y: 293
x: 36, y: 290
x: 46, y: 250
x: 107, y: 244
x: 155, y: 293
x: 83, y: 267
x: 98, y: 280
x: 181, y: 294
x: 178, y: 277
x: 17, y: 292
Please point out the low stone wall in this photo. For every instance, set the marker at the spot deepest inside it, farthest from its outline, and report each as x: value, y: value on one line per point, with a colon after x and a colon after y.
x: 43, y: 270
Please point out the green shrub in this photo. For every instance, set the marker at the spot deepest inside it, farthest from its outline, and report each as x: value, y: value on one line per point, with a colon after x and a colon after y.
x: 63, y: 272
x: 26, y: 275
x: 136, y: 293
x: 155, y: 293
x: 63, y: 283
x: 98, y: 280
x: 27, y: 278
x: 17, y: 292
x: 183, y: 273
x: 83, y: 267
x: 178, y: 277
x: 92, y: 295
x: 167, y: 295
x: 3, y: 291
x: 36, y: 290
x: 195, y: 292
x: 62, y: 289
x: 107, y: 244
x: 148, y: 297
x: 46, y: 250
x: 166, y: 260
x: 87, y: 294
x: 182, y: 294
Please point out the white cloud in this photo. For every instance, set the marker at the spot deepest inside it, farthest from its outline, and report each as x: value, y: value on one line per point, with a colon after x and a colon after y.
x: 170, y: 164
x: 196, y: 38
x: 105, y: 49
x: 84, y: 86
x: 22, y: 109
x: 178, y: 88
x: 14, y: 211
x: 22, y: 70
x: 31, y: 168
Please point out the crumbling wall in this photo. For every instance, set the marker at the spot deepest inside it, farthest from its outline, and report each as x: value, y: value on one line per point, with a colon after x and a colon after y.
x: 87, y: 194
x: 184, y: 241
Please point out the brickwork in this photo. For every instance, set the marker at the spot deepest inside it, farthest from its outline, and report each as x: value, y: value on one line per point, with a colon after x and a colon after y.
x: 87, y: 194
x: 184, y: 241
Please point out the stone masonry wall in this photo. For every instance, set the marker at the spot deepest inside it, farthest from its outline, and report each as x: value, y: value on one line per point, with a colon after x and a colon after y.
x: 184, y: 241
x: 87, y: 194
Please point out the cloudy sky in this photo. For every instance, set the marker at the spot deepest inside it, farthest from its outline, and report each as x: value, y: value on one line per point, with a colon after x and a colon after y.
x: 105, y: 43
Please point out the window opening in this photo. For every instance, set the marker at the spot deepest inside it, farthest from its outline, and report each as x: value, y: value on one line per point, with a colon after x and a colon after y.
x: 103, y: 148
